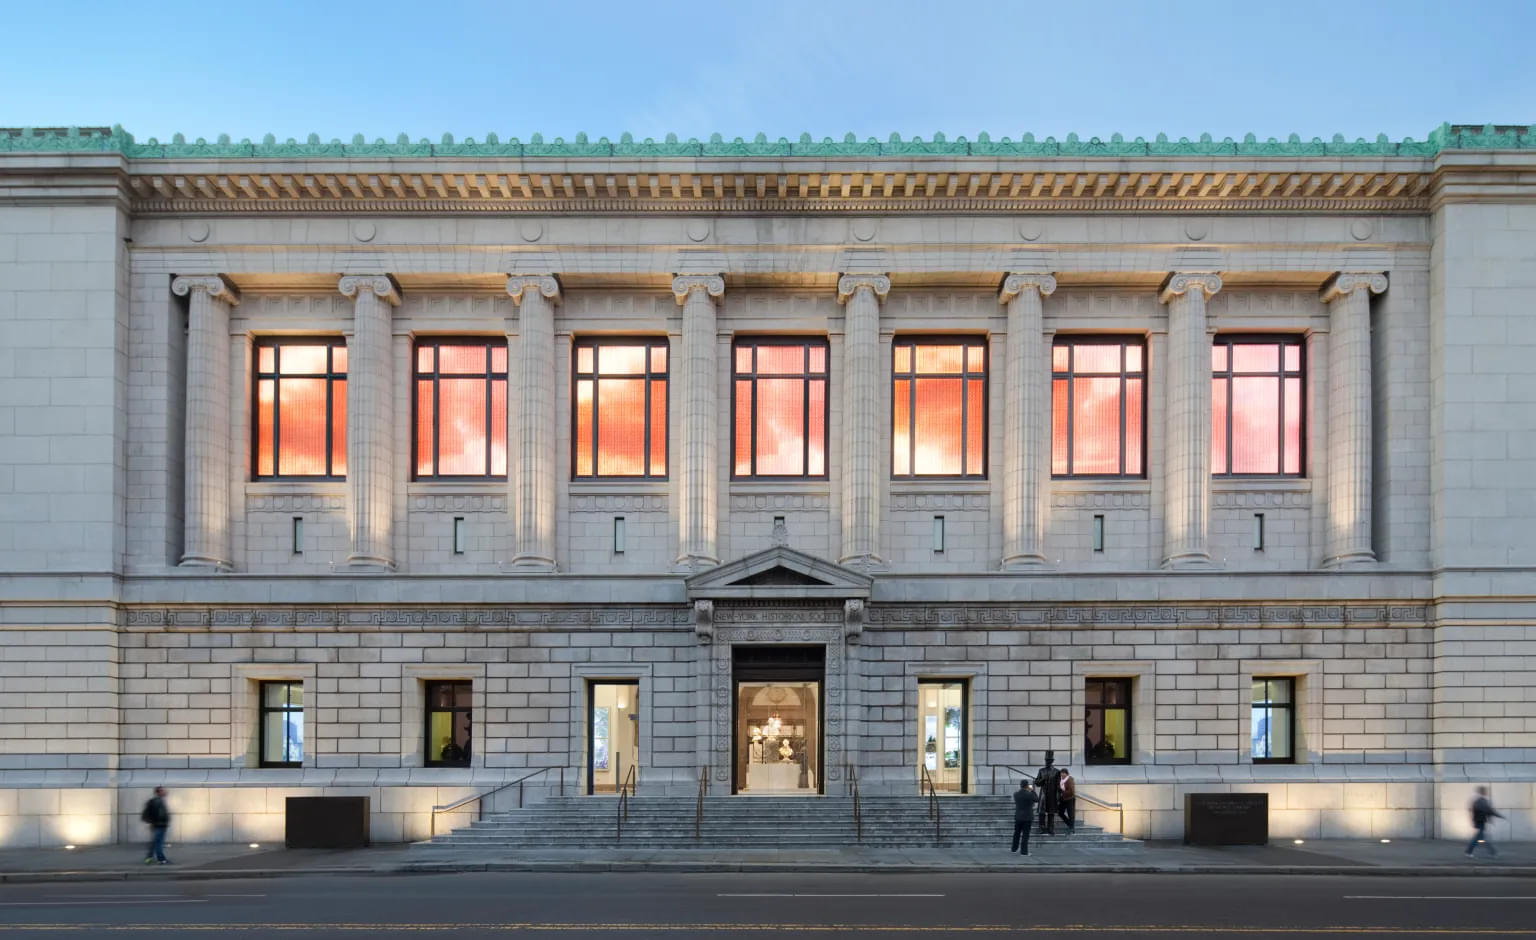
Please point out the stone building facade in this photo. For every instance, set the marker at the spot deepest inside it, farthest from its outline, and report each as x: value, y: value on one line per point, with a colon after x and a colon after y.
x: 1158, y: 568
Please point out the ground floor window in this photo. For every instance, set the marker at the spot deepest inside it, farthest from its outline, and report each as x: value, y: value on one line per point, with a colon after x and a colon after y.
x: 1108, y: 721
x: 1273, y: 724
x: 282, y: 724
x: 449, y: 720
x: 780, y: 726
x: 941, y: 733
x: 613, y: 736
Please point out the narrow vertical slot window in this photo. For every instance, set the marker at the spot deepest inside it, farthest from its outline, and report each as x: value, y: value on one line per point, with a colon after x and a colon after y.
x: 618, y: 535
x: 1098, y: 533
x: 298, y: 535
x: 460, y: 535
x: 938, y: 535
x: 1258, y: 531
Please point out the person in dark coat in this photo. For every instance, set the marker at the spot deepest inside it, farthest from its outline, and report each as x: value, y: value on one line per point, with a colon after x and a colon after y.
x: 1048, y: 783
x: 1024, y: 800
x: 1067, y: 808
x: 158, y: 816
x: 1482, y: 813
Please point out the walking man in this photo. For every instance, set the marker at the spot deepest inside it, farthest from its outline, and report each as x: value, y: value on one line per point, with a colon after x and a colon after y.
x: 1023, y: 816
x: 1482, y: 812
x: 1048, y: 783
x: 1068, y: 800
x: 159, y: 819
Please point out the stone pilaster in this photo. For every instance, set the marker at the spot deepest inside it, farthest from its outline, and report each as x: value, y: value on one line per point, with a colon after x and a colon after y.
x: 700, y: 425
x: 862, y: 461
x: 371, y: 428
x: 1187, y: 433
x: 533, y: 486
x: 1026, y: 440
x: 205, y: 540
x: 1348, y: 524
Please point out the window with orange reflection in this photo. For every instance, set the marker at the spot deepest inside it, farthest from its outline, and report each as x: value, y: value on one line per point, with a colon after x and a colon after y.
x: 1098, y: 406
x: 620, y: 408
x: 779, y: 390
x: 300, y: 426
x: 938, y: 407
x: 460, y: 402
x: 1257, y: 415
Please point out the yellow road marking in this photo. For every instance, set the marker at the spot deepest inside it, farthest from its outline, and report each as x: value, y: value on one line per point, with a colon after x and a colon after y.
x: 791, y: 928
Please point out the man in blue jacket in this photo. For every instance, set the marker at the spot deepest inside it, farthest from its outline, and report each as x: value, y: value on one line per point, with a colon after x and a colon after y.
x: 1024, y: 800
x: 159, y: 819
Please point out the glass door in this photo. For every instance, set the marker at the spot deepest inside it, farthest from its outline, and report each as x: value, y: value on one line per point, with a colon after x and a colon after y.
x: 779, y: 724
x: 613, y: 735
x: 943, y: 730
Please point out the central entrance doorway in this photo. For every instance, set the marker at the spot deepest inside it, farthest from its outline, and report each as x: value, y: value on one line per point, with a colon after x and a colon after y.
x: 777, y: 720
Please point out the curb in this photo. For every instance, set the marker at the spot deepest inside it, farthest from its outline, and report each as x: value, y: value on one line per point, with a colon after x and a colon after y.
x: 441, y: 868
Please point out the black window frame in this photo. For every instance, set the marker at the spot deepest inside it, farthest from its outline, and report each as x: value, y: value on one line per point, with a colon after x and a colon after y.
x: 1289, y: 707
x: 1128, y: 685
x: 435, y: 376
x: 429, y: 709
x: 1123, y: 341
x: 1280, y: 340
x: 807, y: 343
x: 263, y: 710
x: 912, y: 342
x: 331, y: 376
x: 650, y: 375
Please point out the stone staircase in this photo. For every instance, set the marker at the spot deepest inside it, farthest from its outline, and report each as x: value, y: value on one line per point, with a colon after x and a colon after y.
x: 758, y: 822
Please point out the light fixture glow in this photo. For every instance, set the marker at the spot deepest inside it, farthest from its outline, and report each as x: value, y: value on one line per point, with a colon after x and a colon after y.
x: 1299, y: 841
x: 1386, y: 841
x: 255, y: 845
x: 70, y: 847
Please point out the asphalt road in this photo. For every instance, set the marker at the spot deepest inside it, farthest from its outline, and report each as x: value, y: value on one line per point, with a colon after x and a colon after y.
x: 1080, y: 906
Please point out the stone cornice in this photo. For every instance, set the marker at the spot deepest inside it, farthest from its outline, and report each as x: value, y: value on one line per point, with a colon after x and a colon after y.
x: 1016, y: 284
x: 380, y: 284
x: 712, y: 285
x: 216, y: 286
x: 546, y: 285
x: 849, y: 284
x: 1182, y: 283
x: 1347, y: 282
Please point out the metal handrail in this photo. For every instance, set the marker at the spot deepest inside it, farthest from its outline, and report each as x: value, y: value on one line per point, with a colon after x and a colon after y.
x: 853, y: 791
x: 698, y: 812
x: 934, y: 812
x: 1077, y: 794
x: 480, y: 810
x: 622, y: 816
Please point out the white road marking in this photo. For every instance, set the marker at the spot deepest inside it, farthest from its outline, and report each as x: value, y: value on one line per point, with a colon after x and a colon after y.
x: 772, y: 895
x: 62, y: 902
x: 1438, y: 897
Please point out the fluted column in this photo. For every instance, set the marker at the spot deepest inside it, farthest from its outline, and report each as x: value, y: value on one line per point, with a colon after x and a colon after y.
x: 1187, y: 434
x: 371, y: 428
x: 533, y: 489
x: 862, y: 463
x: 1025, y: 433
x: 1348, y: 297
x: 700, y: 425
x: 205, y: 541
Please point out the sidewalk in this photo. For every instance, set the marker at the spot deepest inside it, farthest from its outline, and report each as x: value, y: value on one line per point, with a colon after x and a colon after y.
x: 1402, y: 858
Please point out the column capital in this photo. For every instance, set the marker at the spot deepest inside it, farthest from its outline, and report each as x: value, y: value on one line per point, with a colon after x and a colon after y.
x: 1182, y: 283
x: 544, y: 284
x: 713, y: 285
x: 381, y: 285
x: 216, y: 286
x: 1016, y: 284
x: 849, y: 284
x: 1347, y: 282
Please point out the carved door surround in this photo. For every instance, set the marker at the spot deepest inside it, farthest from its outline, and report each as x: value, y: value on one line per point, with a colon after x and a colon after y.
x: 778, y: 596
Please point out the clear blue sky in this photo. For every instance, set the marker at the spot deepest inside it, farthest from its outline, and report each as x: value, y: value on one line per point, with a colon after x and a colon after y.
x: 740, y: 66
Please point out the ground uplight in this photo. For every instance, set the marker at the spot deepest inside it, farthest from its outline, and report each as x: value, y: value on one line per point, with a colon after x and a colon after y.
x: 1298, y: 841
x: 255, y: 845
x: 70, y: 848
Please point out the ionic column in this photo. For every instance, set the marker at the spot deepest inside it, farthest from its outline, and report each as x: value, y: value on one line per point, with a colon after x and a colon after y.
x: 371, y: 420
x: 533, y: 488
x: 699, y: 428
x: 205, y: 540
x: 1348, y: 297
x: 1025, y: 436
x: 862, y: 462
x: 1187, y: 434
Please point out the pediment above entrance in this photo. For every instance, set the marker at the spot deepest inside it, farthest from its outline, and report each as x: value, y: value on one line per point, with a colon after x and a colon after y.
x: 778, y: 573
